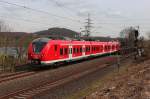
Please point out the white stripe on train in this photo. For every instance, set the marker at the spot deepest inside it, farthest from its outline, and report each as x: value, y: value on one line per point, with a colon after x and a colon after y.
x: 73, y: 58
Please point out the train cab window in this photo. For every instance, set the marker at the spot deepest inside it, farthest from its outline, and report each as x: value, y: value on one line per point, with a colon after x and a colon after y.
x: 39, y: 44
x: 61, y: 51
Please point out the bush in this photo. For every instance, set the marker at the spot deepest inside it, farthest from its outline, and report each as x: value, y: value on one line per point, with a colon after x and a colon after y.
x: 7, y: 63
x: 147, y: 48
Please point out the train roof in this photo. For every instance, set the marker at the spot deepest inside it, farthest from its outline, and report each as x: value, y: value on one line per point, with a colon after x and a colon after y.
x: 72, y: 41
x: 41, y: 40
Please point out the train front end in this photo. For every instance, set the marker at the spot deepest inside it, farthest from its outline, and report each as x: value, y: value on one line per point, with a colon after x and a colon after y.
x: 37, y: 50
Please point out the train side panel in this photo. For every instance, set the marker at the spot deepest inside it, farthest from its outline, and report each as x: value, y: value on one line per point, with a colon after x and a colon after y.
x: 61, y: 50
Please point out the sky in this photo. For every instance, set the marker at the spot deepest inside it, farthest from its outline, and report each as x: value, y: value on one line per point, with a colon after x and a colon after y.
x: 108, y: 17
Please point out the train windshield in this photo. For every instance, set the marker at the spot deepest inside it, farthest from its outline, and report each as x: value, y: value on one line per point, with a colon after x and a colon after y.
x: 39, y: 44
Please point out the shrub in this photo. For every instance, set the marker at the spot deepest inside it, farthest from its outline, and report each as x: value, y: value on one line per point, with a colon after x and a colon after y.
x: 7, y: 63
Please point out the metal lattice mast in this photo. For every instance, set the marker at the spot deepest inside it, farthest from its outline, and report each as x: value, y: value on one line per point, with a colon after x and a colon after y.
x: 88, y: 26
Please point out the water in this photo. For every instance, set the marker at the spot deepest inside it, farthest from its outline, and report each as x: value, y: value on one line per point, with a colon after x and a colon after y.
x: 12, y: 51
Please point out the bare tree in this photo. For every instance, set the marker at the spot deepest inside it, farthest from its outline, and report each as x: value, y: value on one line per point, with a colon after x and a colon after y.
x: 4, y: 27
x: 7, y: 62
x: 148, y: 34
x: 129, y: 35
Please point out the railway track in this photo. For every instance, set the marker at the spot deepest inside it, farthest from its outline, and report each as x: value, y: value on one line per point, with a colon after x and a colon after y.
x: 36, y: 90
x: 9, y: 74
x: 12, y: 76
x: 30, y: 92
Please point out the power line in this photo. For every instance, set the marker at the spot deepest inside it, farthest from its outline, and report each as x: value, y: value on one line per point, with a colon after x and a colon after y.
x: 28, y: 21
x: 64, y: 7
x: 60, y: 6
x: 124, y: 22
x: 20, y: 19
x: 37, y: 10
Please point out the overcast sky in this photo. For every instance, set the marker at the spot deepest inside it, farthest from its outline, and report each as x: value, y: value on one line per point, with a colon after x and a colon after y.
x: 109, y: 17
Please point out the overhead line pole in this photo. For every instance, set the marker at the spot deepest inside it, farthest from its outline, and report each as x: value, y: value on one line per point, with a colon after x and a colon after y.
x: 88, y: 26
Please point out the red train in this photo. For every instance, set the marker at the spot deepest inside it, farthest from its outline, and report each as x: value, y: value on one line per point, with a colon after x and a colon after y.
x: 46, y: 51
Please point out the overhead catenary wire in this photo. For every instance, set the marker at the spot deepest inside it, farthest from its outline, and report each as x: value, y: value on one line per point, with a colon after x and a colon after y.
x: 28, y: 21
x: 48, y: 13
x: 68, y: 9
x: 22, y: 19
x: 40, y: 11
x: 61, y: 6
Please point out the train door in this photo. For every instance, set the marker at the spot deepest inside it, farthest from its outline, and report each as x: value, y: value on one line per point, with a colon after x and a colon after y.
x: 70, y: 51
x: 83, y: 50
x: 103, y: 50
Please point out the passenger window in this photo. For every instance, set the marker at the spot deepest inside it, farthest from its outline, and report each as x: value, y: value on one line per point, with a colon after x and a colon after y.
x: 74, y: 50
x: 109, y: 47
x: 105, y: 47
x: 80, y: 49
x: 61, y: 51
x: 86, y: 49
